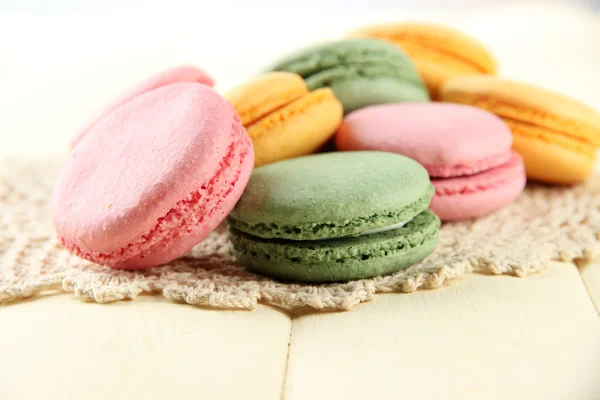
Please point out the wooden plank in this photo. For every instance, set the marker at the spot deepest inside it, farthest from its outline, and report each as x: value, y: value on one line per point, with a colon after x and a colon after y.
x: 482, y: 337
x: 590, y: 273
x: 59, y: 347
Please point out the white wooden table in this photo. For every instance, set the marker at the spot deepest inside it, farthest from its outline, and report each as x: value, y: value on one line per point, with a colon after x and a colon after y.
x: 479, y: 337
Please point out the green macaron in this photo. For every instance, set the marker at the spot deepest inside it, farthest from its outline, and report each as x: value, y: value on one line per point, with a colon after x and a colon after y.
x: 335, y: 217
x: 361, y: 72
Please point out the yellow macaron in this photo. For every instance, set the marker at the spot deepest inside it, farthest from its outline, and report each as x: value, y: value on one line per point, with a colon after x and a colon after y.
x: 557, y: 136
x: 439, y: 53
x: 283, y: 118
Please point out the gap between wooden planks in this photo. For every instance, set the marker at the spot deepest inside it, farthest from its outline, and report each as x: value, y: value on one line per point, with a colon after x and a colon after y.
x: 590, y: 273
x: 482, y: 337
x: 479, y: 337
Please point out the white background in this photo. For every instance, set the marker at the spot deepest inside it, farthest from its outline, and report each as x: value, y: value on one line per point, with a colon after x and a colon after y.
x: 61, y: 61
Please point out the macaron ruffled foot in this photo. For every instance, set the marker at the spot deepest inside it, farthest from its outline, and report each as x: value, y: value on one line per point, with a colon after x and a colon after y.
x: 335, y: 217
x: 557, y: 137
x: 152, y: 178
x: 283, y: 118
x: 466, y: 151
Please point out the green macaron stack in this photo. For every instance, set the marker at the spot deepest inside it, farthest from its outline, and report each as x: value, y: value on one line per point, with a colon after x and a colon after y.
x: 361, y: 72
x: 335, y: 217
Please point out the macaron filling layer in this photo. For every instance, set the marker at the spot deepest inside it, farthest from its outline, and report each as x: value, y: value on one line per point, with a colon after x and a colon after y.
x: 252, y: 115
x: 530, y: 131
x: 495, y: 177
x: 515, y: 114
x: 426, y: 49
x: 187, y: 214
x: 472, y: 168
x: 297, y: 106
x: 334, y: 217
x: 552, y: 135
x: 539, y: 125
x: 339, y: 249
x: 385, y: 228
x: 340, y: 259
x: 435, y: 44
x: 334, y: 229
x: 266, y: 94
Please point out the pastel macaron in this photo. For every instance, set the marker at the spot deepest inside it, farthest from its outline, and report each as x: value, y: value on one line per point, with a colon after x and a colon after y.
x: 152, y: 178
x: 465, y: 150
x: 184, y: 73
x: 439, y: 52
x: 361, y: 72
x: 557, y: 137
x: 283, y: 117
x: 334, y: 217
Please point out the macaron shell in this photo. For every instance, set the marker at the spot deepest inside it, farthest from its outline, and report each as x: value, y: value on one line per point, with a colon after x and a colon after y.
x: 320, y: 57
x: 340, y: 259
x: 331, y: 195
x: 447, y: 139
x: 438, y: 38
x: 221, y: 198
x: 299, y: 128
x: 359, y: 93
x: 526, y: 103
x: 547, y: 161
x: 481, y: 194
x: 174, y: 75
x: 265, y: 94
x: 360, y: 71
x: 557, y: 136
x: 439, y: 52
x: 144, y: 169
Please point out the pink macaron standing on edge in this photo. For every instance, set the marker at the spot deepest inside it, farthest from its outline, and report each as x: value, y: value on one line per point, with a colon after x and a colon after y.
x: 153, y: 178
x: 180, y: 74
x: 466, y: 150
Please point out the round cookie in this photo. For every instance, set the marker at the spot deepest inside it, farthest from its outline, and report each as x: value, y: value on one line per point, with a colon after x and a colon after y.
x: 335, y: 217
x: 439, y: 53
x: 466, y: 151
x: 361, y: 72
x: 283, y: 118
x: 181, y: 74
x: 152, y: 178
x: 557, y: 136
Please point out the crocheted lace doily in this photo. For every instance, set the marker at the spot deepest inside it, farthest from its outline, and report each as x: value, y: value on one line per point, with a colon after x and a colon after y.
x: 544, y: 224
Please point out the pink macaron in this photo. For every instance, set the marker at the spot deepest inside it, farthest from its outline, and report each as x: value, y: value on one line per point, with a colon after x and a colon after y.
x: 184, y: 73
x: 152, y: 178
x: 466, y: 150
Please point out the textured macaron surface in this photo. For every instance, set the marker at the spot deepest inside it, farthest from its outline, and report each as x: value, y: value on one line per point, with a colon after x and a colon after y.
x: 283, y: 118
x: 181, y: 74
x: 511, y: 170
x: 480, y: 194
x: 520, y: 102
x: 439, y: 53
x: 447, y: 139
x: 557, y: 136
x: 435, y: 43
x: 466, y: 151
x: 152, y: 178
x: 264, y: 94
x: 339, y: 259
x: 331, y: 195
x: 360, y: 72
